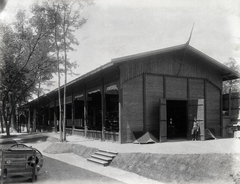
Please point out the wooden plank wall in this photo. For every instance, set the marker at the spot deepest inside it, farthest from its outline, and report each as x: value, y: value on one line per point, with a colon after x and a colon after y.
x: 143, y: 85
x: 170, y: 64
x: 213, y: 108
x: 153, y: 92
x: 176, y: 88
x: 196, y: 89
x: 132, y: 108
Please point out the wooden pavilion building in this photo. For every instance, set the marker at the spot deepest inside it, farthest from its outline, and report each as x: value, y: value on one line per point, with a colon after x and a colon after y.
x: 132, y: 95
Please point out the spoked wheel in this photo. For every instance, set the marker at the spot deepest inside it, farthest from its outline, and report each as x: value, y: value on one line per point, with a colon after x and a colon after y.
x: 39, y: 159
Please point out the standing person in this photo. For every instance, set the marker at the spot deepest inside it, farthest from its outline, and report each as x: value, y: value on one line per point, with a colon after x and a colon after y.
x: 195, y: 129
x: 171, y: 129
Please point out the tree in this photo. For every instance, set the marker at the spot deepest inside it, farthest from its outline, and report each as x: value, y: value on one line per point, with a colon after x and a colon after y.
x: 231, y: 85
x: 66, y: 18
x: 26, y: 61
x: 33, y: 47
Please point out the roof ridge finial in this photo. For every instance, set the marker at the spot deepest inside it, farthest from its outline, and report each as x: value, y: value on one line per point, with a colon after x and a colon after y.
x: 185, y: 50
x: 187, y: 43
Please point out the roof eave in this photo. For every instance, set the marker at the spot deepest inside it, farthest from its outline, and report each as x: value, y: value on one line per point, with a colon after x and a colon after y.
x: 229, y: 74
x: 147, y: 54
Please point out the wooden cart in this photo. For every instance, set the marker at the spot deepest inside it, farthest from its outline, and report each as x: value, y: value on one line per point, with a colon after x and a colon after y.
x: 20, y: 163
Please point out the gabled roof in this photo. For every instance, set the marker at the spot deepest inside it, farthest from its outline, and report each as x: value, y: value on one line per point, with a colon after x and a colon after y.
x: 147, y: 54
x: 227, y: 73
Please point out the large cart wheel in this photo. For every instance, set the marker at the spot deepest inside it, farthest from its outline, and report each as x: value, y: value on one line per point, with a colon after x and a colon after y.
x: 39, y: 160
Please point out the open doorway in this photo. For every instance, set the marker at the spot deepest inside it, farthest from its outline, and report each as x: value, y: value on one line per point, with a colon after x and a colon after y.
x: 177, y: 123
x: 112, y: 112
x: 79, y: 112
x: 94, y: 110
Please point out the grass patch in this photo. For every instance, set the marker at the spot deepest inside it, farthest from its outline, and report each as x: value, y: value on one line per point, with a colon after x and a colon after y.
x: 167, y: 168
x: 65, y: 147
x: 179, y: 168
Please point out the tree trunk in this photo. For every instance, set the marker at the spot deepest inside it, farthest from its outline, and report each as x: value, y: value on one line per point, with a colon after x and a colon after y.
x: 59, y: 77
x: 6, y: 117
x: 1, y: 119
x: 8, y: 126
x: 65, y: 83
x: 13, y: 117
x: 38, y: 123
x: 59, y: 100
x: 29, y: 121
x: 7, y: 120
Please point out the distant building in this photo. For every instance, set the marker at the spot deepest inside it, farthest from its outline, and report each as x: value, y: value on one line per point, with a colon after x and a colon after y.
x: 140, y: 93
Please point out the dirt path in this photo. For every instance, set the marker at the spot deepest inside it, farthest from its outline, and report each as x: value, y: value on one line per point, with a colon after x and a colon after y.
x: 80, y: 162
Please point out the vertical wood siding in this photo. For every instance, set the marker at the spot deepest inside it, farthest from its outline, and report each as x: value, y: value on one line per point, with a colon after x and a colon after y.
x: 170, y: 64
x: 154, y: 91
x: 213, y: 106
x: 132, y: 108
x: 166, y: 76
x: 196, y: 88
x: 176, y: 88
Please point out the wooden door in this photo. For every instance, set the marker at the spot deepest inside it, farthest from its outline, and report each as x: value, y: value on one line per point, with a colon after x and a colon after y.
x: 162, y: 120
x: 196, y: 109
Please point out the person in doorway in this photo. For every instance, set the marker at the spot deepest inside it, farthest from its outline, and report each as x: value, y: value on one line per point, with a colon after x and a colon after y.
x: 171, y: 130
x: 195, y: 129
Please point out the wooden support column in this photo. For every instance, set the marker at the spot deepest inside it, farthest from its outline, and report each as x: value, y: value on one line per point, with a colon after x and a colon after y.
x: 205, y: 104
x: 73, y: 114
x: 120, y: 96
x: 85, y: 112
x: 55, y: 117
x: 164, y: 87
x: 144, y: 102
x: 49, y: 117
x: 221, y: 115
x: 103, y: 110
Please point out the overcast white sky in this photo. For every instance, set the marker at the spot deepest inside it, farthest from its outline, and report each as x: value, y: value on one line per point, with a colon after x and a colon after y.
x: 118, y: 28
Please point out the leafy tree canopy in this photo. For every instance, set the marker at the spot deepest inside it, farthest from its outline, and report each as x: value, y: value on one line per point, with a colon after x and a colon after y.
x: 231, y: 86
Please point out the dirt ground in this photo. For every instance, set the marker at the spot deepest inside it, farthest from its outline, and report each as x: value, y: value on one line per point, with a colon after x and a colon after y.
x: 168, y: 168
x: 227, y: 145
x: 211, y: 161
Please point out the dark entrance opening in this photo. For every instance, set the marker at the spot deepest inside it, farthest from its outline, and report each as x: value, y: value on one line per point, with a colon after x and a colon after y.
x: 79, y: 112
x: 177, y: 125
x: 112, y: 112
x: 94, y: 110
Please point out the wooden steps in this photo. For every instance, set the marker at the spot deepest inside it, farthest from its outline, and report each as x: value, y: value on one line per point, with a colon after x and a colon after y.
x: 102, y: 157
